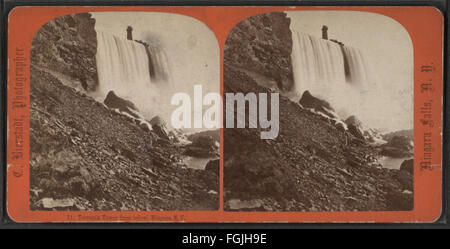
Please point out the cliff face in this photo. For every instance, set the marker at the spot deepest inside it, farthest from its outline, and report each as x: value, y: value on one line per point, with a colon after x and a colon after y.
x: 313, y: 164
x: 67, y: 45
x: 262, y: 44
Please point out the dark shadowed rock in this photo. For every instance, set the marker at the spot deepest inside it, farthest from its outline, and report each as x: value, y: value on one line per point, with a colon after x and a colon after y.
x: 205, y: 142
x: 203, y: 146
x: 115, y: 102
x: 406, y: 180
x: 68, y: 45
x: 399, y: 201
x: 408, y: 166
x: 398, y: 146
x: 263, y: 44
x: 401, y: 142
x: 213, y: 166
x: 408, y: 133
x: 213, y: 133
x: 309, y: 101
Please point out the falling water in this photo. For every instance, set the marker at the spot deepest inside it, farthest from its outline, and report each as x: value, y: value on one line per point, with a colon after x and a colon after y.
x: 358, y: 70
x: 337, y: 73
x: 121, y: 64
x: 124, y: 67
x: 316, y: 63
x: 159, y: 68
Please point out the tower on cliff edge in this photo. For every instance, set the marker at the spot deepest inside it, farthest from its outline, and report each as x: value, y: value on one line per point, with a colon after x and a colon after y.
x: 129, y: 33
x: 325, y: 32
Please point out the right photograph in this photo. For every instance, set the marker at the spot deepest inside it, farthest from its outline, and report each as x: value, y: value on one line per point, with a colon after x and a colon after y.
x: 318, y: 113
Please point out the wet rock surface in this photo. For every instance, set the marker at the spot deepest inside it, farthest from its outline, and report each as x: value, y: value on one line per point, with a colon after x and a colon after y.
x: 309, y: 101
x: 85, y: 156
x: 115, y: 102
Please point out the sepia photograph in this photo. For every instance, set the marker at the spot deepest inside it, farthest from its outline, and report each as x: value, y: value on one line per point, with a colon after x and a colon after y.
x: 224, y: 116
x: 344, y: 118
x: 101, y: 100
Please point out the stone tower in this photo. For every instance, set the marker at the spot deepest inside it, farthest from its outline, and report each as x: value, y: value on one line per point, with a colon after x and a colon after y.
x: 129, y: 33
x: 324, y: 32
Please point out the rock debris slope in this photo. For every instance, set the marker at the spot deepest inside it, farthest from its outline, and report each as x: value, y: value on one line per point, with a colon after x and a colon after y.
x: 89, y: 155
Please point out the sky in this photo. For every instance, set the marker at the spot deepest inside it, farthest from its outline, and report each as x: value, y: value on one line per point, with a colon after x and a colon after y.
x: 191, y: 47
x: 388, y: 47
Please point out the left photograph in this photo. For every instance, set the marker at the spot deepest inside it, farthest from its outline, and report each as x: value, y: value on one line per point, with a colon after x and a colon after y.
x: 105, y: 90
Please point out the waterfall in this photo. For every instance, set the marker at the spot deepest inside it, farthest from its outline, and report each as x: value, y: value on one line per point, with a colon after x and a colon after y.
x: 158, y: 64
x: 121, y: 64
x: 336, y: 73
x: 316, y: 63
x: 358, y: 71
x: 124, y: 66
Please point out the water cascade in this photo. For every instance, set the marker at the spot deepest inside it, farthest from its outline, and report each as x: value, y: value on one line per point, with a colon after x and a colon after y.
x: 331, y: 71
x: 132, y: 70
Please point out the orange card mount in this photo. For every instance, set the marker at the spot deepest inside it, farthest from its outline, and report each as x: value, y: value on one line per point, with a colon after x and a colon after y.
x: 115, y: 114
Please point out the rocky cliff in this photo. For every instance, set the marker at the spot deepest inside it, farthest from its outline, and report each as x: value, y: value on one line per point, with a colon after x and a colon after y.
x: 262, y: 44
x: 67, y: 45
x: 313, y: 165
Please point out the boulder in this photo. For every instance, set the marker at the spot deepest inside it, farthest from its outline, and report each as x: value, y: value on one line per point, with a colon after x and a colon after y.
x: 355, y: 127
x: 203, y: 146
x: 408, y: 133
x: 408, y: 166
x: 340, y: 126
x: 319, y: 105
x: 159, y: 127
x: 398, y: 146
x: 401, y: 142
x: 115, y: 102
x: 205, y: 142
x: 213, y: 166
x: 50, y: 203
x: 214, y: 133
